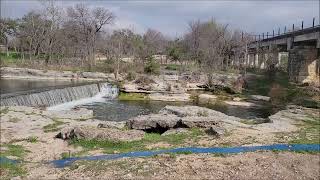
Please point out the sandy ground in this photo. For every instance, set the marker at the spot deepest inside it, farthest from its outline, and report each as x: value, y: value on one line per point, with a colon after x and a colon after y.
x: 255, y: 165
x: 20, y: 123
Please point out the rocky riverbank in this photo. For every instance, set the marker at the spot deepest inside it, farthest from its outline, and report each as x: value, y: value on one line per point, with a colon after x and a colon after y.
x: 41, y: 135
x: 25, y: 73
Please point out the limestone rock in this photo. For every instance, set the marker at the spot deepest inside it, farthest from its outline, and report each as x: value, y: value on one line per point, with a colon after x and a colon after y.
x: 153, y: 121
x: 49, y: 74
x: 241, y: 103
x: 172, y: 117
x: 169, y: 97
x: 112, y: 124
x: 88, y: 133
x: 233, y: 83
x: 200, y: 122
x: 175, y: 131
x: 215, y: 131
x: 260, y: 98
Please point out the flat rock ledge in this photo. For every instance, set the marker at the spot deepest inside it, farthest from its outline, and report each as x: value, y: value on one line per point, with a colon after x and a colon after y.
x: 173, y: 117
x: 26, y: 73
x: 97, y: 133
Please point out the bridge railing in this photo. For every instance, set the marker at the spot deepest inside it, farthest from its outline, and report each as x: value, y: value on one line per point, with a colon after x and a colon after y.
x: 294, y: 29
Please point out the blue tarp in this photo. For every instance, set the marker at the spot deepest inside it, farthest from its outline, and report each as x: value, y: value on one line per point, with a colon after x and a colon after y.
x: 224, y: 150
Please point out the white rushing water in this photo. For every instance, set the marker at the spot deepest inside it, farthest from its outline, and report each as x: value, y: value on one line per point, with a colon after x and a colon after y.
x: 107, y: 91
x: 68, y: 97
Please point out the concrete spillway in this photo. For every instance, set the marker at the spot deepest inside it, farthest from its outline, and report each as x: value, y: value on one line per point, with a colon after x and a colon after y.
x: 60, y: 96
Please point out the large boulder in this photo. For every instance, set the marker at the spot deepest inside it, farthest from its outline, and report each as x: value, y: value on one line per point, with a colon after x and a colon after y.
x: 112, y: 124
x: 88, y: 133
x: 172, y: 117
x: 232, y: 83
x: 153, y: 121
x: 200, y: 122
x: 183, y: 111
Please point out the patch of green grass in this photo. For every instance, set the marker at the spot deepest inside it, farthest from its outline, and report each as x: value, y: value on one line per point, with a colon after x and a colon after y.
x: 132, y: 96
x: 14, y: 119
x: 184, y: 152
x: 150, y: 138
x: 249, y: 121
x: 32, y: 139
x: 277, y: 86
x: 219, y: 155
x: 254, y: 121
x: 262, y: 84
x: 9, y: 170
x: 30, y: 113
x: 65, y: 155
x: 53, y: 127
x: 173, y: 67
x: 309, y: 132
x: 13, y: 150
x: 4, y: 110
x: 11, y: 59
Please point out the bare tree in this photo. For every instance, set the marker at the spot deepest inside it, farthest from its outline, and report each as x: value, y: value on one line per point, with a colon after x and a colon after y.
x: 87, y: 23
x: 154, y: 42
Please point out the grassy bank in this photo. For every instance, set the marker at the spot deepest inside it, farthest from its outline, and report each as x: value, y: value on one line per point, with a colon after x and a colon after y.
x: 281, y: 91
x: 110, y: 147
x: 10, y: 169
x: 132, y: 96
x: 309, y: 132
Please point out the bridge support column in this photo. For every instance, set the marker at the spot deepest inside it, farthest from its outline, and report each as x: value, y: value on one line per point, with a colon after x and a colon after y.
x: 304, y: 64
x: 250, y: 60
x: 263, y: 55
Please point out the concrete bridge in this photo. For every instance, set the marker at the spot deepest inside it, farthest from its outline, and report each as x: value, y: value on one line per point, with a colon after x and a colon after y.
x: 297, y: 52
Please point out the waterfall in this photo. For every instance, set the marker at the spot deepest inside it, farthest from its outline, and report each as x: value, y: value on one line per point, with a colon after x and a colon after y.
x: 64, y: 95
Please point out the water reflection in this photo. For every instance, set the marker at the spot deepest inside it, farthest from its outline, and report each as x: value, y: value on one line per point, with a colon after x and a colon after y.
x: 115, y: 110
x: 19, y: 85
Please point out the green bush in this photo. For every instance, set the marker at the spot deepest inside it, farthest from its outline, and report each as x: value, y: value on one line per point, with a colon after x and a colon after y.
x: 152, y: 67
x: 173, y: 67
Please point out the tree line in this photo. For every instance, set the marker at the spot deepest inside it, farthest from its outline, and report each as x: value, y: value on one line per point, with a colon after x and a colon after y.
x: 74, y: 35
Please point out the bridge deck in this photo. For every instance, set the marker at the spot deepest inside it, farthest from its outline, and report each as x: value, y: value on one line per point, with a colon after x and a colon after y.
x: 308, y: 34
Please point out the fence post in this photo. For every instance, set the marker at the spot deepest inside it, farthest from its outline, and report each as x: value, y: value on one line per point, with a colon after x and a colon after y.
x: 313, y: 22
x: 302, y: 25
x: 278, y: 31
x: 285, y: 29
x: 267, y: 34
x: 292, y: 27
x: 262, y: 36
x: 272, y: 33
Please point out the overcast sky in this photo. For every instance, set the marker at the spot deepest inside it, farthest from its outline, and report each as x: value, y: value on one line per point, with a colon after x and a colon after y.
x: 172, y: 17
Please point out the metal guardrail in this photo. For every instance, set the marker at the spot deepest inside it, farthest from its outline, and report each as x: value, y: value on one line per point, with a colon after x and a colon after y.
x: 286, y: 33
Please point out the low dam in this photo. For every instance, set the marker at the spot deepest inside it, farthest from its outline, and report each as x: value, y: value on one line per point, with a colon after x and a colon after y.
x: 60, y: 95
